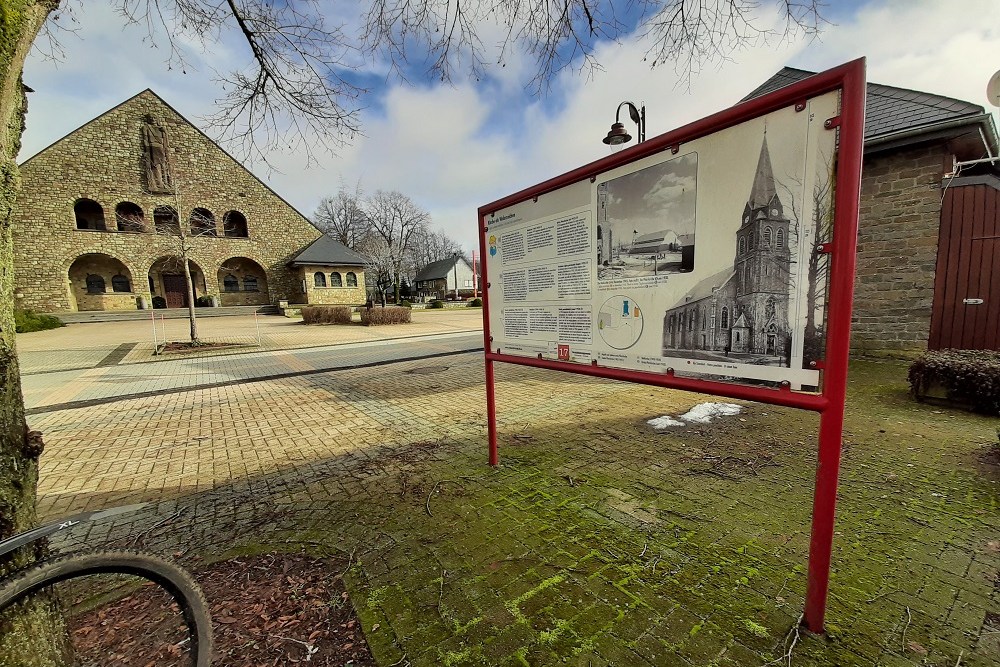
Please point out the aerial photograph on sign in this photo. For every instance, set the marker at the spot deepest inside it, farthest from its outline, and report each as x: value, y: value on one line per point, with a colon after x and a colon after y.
x: 646, y: 221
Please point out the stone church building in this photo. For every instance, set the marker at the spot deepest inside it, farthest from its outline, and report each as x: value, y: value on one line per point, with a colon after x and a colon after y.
x: 107, y: 213
x: 743, y: 309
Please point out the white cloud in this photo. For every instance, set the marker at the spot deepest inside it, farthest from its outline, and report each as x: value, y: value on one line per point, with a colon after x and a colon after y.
x: 454, y: 148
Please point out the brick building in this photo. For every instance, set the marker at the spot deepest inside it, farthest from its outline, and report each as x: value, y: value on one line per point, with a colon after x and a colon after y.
x: 913, y: 141
x: 106, y: 213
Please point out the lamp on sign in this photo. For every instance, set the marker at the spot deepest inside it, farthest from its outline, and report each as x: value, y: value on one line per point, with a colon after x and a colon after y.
x: 618, y: 134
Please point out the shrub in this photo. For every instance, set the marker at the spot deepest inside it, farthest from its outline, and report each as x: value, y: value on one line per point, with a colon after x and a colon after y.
x: 971, y: 377
x: 203, y: 302
x: 405, y: 304
x: 436, y: 304
x: 28, y: 320
x: 159, y: 302
x: 475, y: 303
x: 387, y: 315
x: 327, y: 314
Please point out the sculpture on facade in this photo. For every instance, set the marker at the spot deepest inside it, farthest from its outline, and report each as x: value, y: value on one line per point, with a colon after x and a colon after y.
x: 156, y: 154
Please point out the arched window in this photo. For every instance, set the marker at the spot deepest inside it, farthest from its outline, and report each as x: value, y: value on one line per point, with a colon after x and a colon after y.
x: 230, y: 283
x: 234, y: 225
x: 704, y: 322
x: 165, y: 220
x: 202, y: 222
x: 725, y: 317
x: 767, y: 237
x: 95, y: 284
x: 743, y: 244
x: 335, y: 280
x: 129, y: 217
x: 319, y: 279
x: 120, y: 283
x: 352, y: 279
x: 780, y: 239
x: 89, y: 215
x: 250, y: 284
x: 691, y: 320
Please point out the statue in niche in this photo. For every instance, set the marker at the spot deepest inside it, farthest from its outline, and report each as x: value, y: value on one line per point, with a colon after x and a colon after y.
x: 156, y: 151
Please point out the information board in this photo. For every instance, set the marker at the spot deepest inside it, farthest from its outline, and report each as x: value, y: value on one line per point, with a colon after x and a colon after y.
x: 700, y: 259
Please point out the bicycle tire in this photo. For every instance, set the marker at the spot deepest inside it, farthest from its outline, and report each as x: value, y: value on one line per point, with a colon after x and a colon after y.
x: 170, y: 577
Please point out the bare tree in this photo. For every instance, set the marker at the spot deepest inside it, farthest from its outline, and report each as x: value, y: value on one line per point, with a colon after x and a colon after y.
x: 380, y: 265
x: 395, y: 219
x: 342, y: 216
x: 430, y: 245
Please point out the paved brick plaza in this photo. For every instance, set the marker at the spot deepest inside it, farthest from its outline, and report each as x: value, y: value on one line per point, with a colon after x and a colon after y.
x: 596, y: 542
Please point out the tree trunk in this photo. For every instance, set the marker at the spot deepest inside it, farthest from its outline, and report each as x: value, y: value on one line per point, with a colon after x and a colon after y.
x: 34, y: 633
x: 189, y: 282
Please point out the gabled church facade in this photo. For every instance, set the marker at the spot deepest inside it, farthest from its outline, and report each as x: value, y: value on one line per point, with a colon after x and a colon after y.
x: 106, y: 214
x: 743, y: 310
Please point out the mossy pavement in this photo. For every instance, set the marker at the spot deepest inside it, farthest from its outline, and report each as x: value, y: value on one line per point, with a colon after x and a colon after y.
x: 599, y: 541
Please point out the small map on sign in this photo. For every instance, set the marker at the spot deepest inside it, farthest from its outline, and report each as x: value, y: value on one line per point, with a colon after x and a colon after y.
x: 620, y: 322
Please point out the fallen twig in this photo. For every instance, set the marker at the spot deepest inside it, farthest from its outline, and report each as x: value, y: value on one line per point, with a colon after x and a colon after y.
x: 787, y: 655
x: 143, y: 534
x: 310, y: 649
x: 909, y: 619
x: 427, y: 505
x: 444, y: 573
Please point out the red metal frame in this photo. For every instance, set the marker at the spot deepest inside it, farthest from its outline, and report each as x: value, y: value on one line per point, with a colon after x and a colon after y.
x: 850, y: 80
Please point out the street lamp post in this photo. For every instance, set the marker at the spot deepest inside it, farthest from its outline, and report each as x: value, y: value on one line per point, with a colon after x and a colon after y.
x: 618, y: 134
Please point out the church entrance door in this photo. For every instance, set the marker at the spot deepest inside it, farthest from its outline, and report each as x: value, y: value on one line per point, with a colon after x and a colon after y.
x: 175, y: 290
x: 771, y: 338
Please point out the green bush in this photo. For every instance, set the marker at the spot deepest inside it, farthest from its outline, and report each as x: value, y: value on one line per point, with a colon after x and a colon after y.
x: 327, y: 314
x: 475, y: 303
x: 971, y: 377
x: 436, y: 304
x: 28, y: 320
x: 387, y: 315
x: 159, y: 302
x: 405, y: 304
x: 203, y: 302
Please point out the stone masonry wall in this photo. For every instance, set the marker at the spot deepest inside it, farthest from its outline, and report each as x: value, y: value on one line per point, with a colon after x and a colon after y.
x: 897, y: 250
x: 330, y: 295
x: 103, y: 161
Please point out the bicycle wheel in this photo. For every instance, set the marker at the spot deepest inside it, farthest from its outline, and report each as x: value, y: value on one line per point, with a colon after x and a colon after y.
x: 178, y: 583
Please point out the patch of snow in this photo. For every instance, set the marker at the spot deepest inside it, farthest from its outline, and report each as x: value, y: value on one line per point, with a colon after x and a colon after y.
x: 663, y: 422
x: 703, y: 413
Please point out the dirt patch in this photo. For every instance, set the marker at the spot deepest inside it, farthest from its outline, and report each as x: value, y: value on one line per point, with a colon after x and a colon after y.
x: 272, y: 609
x: 187, y: 348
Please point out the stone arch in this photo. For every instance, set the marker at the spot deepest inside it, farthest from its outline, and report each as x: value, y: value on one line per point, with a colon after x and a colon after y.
x: 89, y: 215
x: 168, y: 285
x: 129, y: 217
x: 165, y: 220
x: 234, y: 225
x: 251, y: 279
x: 98, y: 281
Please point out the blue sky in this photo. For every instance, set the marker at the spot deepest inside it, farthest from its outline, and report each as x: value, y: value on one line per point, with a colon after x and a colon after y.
x: 453, y: 147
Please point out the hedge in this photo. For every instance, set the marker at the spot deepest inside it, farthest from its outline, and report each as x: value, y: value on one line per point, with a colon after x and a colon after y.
x: 436, y: 304
x: 327, y: 314
x: 26, y: 321
x: 475, y: 303
x: 971, y: 377
x: 387, y: 315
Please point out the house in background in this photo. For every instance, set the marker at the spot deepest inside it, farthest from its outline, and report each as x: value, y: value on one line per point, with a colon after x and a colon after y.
x: 105, y: 213
x: 928, y: 234
x: 445, y: 278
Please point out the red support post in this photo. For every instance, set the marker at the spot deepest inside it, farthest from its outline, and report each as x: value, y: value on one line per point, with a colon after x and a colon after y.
x: 491, y: 413
x: 838, y: 345
x: 491, y: 401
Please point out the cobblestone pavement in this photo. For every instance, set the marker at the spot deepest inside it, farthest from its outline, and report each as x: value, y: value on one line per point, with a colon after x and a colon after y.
x: 597, y: 541
x: 80, y: 346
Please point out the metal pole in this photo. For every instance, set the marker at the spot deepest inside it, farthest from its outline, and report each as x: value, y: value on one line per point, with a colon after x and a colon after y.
x: 256, y: 324
x: 838, y: 344
x: 491, y: 414
x: 152, y: 317
x: 163, y: 328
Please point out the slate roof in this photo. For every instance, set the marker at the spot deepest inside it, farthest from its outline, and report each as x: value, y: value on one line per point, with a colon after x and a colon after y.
x: 436, y: 270
x: 705, y: 288
x: 888, y: 109
x: 326, y: 251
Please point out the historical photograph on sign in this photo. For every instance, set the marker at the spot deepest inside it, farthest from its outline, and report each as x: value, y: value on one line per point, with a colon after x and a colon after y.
x: 742, y: 313
x: 646, y: 221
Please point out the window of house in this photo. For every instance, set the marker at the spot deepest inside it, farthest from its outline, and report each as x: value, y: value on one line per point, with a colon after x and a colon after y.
x: 250, y: 284
x: 95, y: 284
x: 202, y: 222
x: 129, y: 217
x: 725, y: 317
x: 352, y: 279
x: 234, y: 225
x: 165, y: 220
x: 230, y: 283
x: 89, y: 215
x: 780, y: 239
x: 767, y: 237
x: 120, y: 283
x: 335, y: 280
x: 319, y: 279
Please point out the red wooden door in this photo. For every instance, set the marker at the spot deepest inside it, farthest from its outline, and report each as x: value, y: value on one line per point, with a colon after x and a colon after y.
x: 966, y: 313
x: 175, y: 291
